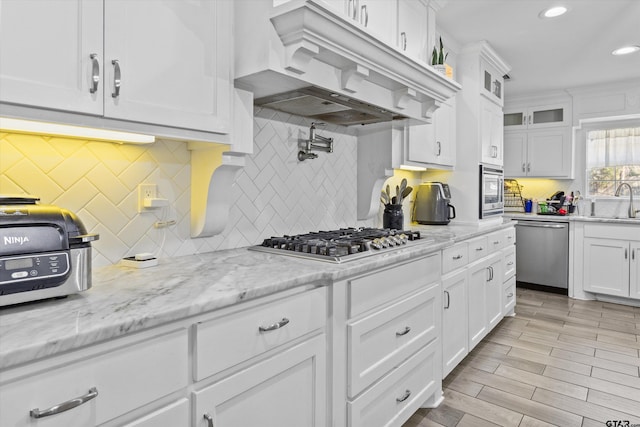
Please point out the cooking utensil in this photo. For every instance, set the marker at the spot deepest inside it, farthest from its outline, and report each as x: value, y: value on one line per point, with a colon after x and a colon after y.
x: 406, y: 192
x: 384, y: 197
x: 388, y: 191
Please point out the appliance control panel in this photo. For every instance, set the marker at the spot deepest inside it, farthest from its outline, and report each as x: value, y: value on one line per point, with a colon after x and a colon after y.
x: 33, y: 267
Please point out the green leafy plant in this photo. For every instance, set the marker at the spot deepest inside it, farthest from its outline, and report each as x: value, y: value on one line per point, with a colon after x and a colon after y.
x: 438, y: 56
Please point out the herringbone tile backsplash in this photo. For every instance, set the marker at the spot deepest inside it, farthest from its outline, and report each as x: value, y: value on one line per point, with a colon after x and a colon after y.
x: 274, y: 194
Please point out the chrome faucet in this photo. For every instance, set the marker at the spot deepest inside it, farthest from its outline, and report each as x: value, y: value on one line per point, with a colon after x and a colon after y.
x: 315, y: 143
x: 632, y: 211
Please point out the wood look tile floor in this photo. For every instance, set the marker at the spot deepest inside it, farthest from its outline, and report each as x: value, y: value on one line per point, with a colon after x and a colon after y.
x: 558, y: 362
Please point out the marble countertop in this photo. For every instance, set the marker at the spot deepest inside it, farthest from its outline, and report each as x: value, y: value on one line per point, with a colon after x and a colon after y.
x: 570, y: 218
x: 124, y: 300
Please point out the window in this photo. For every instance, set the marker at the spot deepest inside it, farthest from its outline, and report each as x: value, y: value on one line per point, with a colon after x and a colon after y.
x: 613, y: 158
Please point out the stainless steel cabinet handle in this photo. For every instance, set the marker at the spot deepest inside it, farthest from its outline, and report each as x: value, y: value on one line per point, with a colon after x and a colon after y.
x: 439, y: 148
x: 403, y: 38
x: 494, y: 151
x: 528, y: 167
x: 448, y: 300
x: 524, y: 167
x: 65, y: 406
x: 209, y: 419
x: 478, y: 249
x: 633, y: 254
x: 510, y: 295
x: 404, y: 397
x: 364, y: 13
x: 626, y: 255
x: 529, y: 122
x: 116, y: 78
x: 95, y: 73
x: 510, y: 263
x: 457, y: 257
x: 274, y: 326
x: 405, y: 331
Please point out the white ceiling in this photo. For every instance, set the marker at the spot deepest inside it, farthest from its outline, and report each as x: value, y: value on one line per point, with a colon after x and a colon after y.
x: 569, y: 51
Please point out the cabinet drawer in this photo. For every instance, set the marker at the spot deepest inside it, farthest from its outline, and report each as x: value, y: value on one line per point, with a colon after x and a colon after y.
x: 509, y: 266
x: 478, y: 248
x: 382, y: 340
x: 226, y: 341
x: 613, y: 231
x: 395, y: 398
x: 455, y: 257
x: 509, y: 296
x: 287, y: 389
x: 159, y: 365
x: 501, y: 239
x: 176, y: 414
x: 373, y: 290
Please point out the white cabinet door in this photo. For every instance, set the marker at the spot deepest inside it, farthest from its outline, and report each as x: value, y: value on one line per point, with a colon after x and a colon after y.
x: 174, y: 63
x: 606, y: 266
x: 478, y: 274
x: 286, y: 390
x: 433, y: 144
x: 455, y: 343
x: 412, y: 29
x: 491, y: 133
x: 378, y: 17
x: 549, y: 153
x: 515, y: 154
x: 537, y: 117
x: 494, y: 290
x: 45, y: 54
x: 634, y: 274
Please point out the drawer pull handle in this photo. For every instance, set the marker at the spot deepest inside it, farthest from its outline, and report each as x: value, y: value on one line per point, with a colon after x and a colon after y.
x: 478, y: 249
x: 209, y: 419
x: 510, y: 263
x: 510, y: 295
x: 457, y: 257
x: 95, y: 73
x: 274, y: 326
x: 497, y: 242
x: 448, y: 300
x: 405, y: 331
x: 65, y: 406
x: 404, y: 397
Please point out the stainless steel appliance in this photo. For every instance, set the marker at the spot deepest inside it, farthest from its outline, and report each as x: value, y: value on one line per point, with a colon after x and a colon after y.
x: 432, y: 204
x: 45, y: 251
x: 491, y: 191
x: 337, y: 246
x: 542, y: 255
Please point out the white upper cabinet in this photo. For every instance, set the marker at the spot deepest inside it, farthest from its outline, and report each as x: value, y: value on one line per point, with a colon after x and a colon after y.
x: 432, y: 145
x: 171, y: 59
x: 49, y: 52
x: 537, y: 117
x: 411, y: 33
x: 491, y: 83
x: 402, y: 24
x: 543, y: 153
x: 491, y: 133
x: 165, y: 63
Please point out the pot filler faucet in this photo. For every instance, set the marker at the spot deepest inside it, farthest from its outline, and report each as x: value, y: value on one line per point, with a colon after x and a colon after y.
x: 632, y: 211
x: 315, y: 142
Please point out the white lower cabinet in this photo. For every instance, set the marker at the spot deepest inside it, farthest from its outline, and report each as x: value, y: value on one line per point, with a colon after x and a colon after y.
x: 176, y: 414
x: 455, y: 341
x: 117, y: 378
x: 485, y: 297
x: 611, y: 259
x: 286, y: 390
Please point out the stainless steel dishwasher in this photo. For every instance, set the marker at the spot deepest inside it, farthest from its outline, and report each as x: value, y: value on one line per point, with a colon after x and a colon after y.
x: 542, y: 255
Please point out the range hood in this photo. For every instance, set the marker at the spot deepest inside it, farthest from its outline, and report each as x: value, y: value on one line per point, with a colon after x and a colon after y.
x: 305, y: 58
x: 327, y: 106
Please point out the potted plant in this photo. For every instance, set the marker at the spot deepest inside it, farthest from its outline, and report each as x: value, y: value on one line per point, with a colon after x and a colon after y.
x: 437, y: 59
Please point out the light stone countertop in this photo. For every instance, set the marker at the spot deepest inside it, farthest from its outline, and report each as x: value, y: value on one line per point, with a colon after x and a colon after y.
x: 124, y: 300
x: 570, y: 218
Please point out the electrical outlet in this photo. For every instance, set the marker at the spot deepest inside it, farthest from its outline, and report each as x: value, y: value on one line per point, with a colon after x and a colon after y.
x: 146, y: 191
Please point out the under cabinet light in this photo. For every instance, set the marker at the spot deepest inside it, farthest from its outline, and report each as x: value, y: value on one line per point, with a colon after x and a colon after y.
x: 553, y: 12
x: 412, y: 168
x: 56, y: 129
x: 625, y: 50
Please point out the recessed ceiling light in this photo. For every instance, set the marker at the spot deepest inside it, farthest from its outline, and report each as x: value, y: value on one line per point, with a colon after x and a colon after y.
x: 553, y: 12
x: 625, y: 50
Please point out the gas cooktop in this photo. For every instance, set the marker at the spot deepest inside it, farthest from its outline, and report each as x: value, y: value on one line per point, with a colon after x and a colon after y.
x: 337, y: 246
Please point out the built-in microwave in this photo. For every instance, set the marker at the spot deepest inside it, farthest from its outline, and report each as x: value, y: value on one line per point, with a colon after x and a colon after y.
x: 491, y: 191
